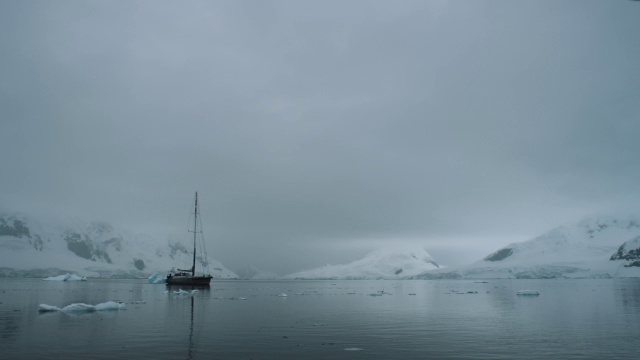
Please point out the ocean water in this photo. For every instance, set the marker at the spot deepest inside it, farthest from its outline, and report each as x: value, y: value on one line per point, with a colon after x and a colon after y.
x: 570, y: 319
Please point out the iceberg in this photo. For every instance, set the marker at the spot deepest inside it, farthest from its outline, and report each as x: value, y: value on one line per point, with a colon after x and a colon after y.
x: 81, y: 307
x: 156, y: 278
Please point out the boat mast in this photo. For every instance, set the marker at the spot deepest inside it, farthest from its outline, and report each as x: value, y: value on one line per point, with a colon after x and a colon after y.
x: 195, y: 232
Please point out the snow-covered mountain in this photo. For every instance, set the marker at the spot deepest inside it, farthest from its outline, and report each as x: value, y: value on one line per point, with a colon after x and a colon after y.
x: 32, y: 249
x: 592, y: 248
x: 387, y: 263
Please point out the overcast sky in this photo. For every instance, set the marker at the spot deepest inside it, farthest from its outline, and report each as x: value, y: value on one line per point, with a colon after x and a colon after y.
x: 316, y: 131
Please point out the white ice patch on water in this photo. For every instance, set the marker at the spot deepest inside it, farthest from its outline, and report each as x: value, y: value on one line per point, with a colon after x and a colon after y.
x: 185, y: 293
x: 66, y: 277
x: 45, y: 307
x: 353, y: 349
x: 81, y: 307
x: 283, y: 295
x: 527, y: 293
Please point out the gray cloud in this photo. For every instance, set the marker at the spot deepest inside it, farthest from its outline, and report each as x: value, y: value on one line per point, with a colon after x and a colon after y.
x: 316, y: 131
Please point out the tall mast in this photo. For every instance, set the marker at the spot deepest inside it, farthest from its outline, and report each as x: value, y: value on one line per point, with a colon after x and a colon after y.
x: 195, y: 232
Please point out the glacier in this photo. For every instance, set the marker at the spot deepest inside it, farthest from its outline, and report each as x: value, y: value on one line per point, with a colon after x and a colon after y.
x: 66, y: 277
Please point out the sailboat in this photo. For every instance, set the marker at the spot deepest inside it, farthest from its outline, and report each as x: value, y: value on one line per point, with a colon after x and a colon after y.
x: 188, y: 277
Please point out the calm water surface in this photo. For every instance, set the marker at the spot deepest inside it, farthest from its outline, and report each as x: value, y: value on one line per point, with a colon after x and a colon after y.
x: 571, y: 319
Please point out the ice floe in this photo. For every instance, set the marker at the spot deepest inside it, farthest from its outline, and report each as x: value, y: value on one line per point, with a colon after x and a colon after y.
x: 528, y: 293
x: 81, y: 307
x: 185, y: 293
x: 66, y: 277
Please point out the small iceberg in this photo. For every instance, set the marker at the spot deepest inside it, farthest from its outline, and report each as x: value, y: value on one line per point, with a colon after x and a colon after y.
x: 353, y: 349
x: 66, y: 277
x: 185, y: 293
x: 81, y: 307
x: 156, y: 278
x: 528, y: 293
x: 283, y: 295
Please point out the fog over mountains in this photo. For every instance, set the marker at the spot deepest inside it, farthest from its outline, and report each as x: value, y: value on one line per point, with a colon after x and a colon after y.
x: 603, y: 247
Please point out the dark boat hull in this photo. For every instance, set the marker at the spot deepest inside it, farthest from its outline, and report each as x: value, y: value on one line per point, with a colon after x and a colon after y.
x: 189, y: 280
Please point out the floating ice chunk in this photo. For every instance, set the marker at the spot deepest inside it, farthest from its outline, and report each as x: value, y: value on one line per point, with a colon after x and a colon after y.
x: 353, y: 349
x: 528, y: 293
x: 66, y: 277
x: 138, y: 302
x: 156, y: 278
x: 283, y: 295
x: 186, y: 293
x: 81, y: 307
x: 110, y: 305
x: 45, y: 307
x: 57, y: 278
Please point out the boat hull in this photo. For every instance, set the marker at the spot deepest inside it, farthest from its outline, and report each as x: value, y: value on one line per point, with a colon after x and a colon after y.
x: 189, y: 280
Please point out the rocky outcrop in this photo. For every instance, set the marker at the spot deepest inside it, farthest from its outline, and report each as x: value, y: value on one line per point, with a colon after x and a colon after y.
x: 630, y: 250
x: 17, y: 228
x: 499, y: 255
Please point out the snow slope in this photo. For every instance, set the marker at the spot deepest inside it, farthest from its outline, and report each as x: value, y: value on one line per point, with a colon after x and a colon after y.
x: 581, y: 250
x: 96, y: 249
x: 252, y: 273
x: 387, y: 263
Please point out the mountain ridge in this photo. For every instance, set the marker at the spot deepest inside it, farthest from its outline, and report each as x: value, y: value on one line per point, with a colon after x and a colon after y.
x: 585, y: 249
x: 94, y: 248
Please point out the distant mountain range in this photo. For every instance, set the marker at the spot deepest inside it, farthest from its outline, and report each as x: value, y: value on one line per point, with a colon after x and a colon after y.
x: 29, y: 248
x: 593, y: 248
